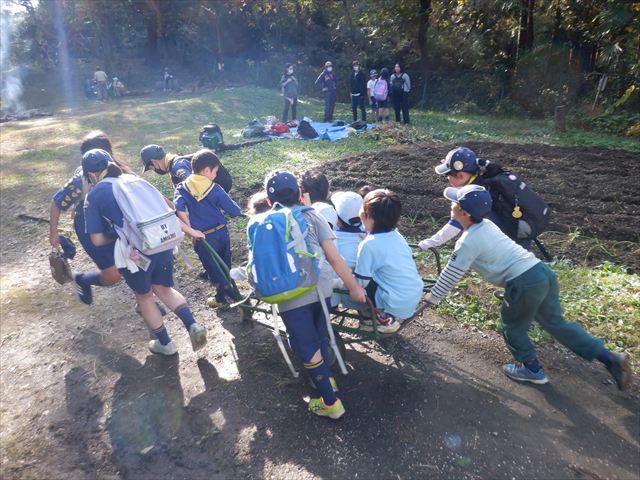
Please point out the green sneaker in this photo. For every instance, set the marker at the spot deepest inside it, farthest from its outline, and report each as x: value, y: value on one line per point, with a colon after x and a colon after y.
x: 620, y: 370
x: 335, y: 411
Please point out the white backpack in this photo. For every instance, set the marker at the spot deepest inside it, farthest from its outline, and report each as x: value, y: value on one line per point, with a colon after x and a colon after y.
x: 149, y: 224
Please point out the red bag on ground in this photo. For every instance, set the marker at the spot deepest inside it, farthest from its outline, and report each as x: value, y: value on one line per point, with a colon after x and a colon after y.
x: 278, y: 128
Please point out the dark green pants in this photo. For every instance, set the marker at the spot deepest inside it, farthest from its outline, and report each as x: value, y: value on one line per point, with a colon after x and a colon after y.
x: 534, y: 295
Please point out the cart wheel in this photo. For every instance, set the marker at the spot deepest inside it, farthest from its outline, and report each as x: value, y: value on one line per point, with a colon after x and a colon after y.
x: 342, y: 348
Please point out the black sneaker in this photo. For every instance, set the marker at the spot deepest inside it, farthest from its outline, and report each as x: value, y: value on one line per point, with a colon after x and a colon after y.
x: 203, y: 276
x: 620, y: 370
x: 84, y: 291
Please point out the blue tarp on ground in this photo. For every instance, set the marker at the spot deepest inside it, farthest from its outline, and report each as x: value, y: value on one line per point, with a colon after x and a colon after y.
x: 325, y: 132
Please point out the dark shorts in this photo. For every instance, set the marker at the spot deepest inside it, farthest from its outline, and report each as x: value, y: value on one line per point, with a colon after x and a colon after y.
x: 374, y: 103
x: 160, y: 272
x: 101, y: 256
x: 383, y: 103
x: 307, y: 330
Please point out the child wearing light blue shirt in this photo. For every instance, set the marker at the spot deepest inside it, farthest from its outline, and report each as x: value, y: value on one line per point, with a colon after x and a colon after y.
x: 385, y: 266
x: 531, y: 290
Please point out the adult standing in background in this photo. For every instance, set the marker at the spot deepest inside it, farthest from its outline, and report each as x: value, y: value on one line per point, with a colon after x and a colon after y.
x: 358, y: 86
x: 100, y: 77
x: 289, y: 85
x: 167, y: 79
x: 400, y: 87
x: 327, y: 80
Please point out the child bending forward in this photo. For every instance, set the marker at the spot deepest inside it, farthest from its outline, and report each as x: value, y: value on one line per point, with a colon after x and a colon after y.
x: 531, y: 290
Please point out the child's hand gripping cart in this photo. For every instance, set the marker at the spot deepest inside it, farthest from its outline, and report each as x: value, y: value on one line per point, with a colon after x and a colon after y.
x: 341, y: 320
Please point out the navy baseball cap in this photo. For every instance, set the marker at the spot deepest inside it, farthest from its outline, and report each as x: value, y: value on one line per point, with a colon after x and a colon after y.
x: 373, y: 72
x: 473, y: 199
x: 95, y: 160
x: 282, y: 186
x: 151, y: 152
x: 460, y: 159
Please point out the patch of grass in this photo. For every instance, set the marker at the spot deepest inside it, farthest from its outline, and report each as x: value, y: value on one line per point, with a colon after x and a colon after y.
x: 605, y: 300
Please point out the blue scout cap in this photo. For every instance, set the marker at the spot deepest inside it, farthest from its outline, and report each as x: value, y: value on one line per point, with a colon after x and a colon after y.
x: 151, y: 152
x: 373, y: 72
x: 95, y: 160
x: 460, y: 159
x: 282, y: 186
x: 473, y: 199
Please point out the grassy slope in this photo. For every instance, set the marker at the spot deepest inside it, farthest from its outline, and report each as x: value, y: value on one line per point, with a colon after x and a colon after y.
x: 607, y: 300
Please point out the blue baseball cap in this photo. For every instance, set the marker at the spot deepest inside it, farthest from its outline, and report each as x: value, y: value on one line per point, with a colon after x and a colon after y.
x: 373, y: 72
x: 151, y: 152
x: 282, y: 186
x: 460, y: 159
x: 473, y: 199
x: 96, y: 160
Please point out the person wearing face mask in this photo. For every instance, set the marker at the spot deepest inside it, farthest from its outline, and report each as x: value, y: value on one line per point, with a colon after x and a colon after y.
x: 177, y: 166
x: 358, y: 86
x: 328, y: 82
x: 289, y: 85
x: 399, y: 93
x: 145, y: 274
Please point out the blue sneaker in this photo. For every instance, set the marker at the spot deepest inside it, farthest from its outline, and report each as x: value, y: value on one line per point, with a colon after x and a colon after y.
x: 84, y: 291
x: 520, y: 373
x: 620, y: 370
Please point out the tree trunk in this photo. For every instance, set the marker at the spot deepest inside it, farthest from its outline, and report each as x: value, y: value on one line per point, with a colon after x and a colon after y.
x: 525, y: 35
x: 424, y: 11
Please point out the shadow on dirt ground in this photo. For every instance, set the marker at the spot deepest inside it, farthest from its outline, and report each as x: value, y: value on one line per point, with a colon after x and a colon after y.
x: 83, y: 398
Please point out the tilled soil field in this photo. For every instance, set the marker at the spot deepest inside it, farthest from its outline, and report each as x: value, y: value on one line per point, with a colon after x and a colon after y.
x: 593, y: 193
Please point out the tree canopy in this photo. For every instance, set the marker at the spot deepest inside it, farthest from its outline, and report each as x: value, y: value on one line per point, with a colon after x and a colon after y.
x: 502, y: 55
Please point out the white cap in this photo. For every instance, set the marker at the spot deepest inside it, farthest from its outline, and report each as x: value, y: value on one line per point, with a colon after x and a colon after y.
x: 348, y: 207
x: 327, y: 212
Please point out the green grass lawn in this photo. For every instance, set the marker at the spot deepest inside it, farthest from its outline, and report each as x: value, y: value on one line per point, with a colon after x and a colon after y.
x: 38, y: 156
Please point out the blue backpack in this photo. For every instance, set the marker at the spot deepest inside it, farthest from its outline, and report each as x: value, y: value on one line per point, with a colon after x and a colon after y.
x: 282, y: 263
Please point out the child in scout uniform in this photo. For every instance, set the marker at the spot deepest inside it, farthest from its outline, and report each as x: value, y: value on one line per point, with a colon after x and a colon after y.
x: 177, y: 166
x: 71, y: 196
x: 303, y: 316
x: 531, y: 290
x: 102, y: 214
x: 202, y: 203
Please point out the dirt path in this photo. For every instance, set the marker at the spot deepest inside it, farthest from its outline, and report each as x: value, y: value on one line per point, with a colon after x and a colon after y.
x: 81, y: 397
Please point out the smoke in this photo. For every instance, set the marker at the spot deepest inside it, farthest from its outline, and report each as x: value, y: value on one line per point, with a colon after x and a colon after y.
x: 10, y: 75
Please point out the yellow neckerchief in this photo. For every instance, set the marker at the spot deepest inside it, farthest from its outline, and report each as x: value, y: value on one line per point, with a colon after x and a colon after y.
x: 168, y: 158
x: 198, y: 186
x: 101, y: 175
x: 472, y: 179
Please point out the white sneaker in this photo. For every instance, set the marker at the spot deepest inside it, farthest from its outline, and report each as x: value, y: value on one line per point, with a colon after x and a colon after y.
x: 386, y: 323
x: 156, y: 347
x: 198, y: 335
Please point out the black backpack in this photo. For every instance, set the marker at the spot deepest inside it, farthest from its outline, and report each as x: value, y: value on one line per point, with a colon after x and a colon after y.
x: 514, y: 200
x: 305, y: 130
x: 211, y: 137
x: 397, y: 85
